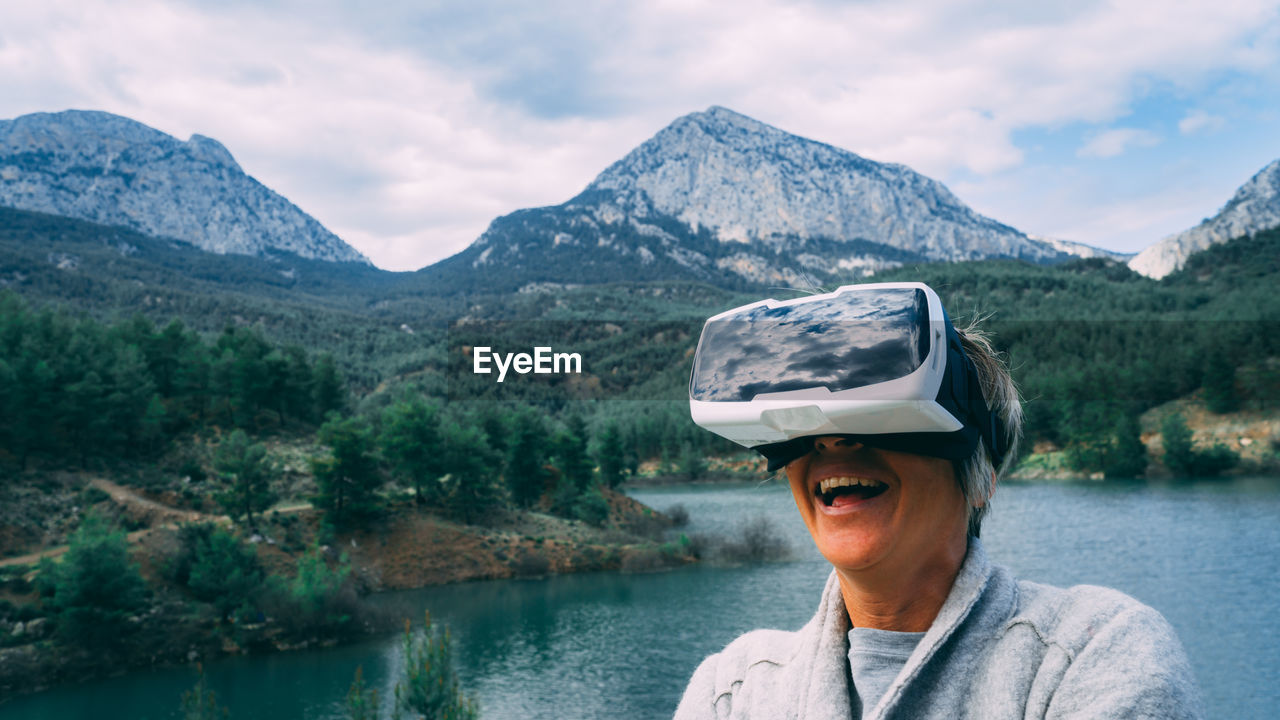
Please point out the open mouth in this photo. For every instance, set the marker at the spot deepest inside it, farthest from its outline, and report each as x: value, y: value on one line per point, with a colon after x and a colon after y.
x: 848, y: 489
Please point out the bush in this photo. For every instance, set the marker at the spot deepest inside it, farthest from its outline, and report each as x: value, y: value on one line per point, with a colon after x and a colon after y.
x: 201, y: 703
x: 224, y: 572
x: 530, y: 565
x: 592, y: 508
x: 755, y: 541
x: 1181, y: 457
x: 96, y: 587
x: 361, y: 702
x: 318, y: 599
x: 678, y: 514
x: 429, y: 688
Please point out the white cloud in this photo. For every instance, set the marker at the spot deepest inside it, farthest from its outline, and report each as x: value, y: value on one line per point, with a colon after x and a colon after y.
x: 1198, y: 120
x: 408, y: 151
x: 1111, y: 143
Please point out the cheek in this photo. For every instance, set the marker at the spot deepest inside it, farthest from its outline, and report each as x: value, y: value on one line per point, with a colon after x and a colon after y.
x: 798, y: 476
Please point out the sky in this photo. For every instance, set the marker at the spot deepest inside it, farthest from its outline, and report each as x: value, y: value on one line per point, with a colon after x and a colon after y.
x: 406, y: 127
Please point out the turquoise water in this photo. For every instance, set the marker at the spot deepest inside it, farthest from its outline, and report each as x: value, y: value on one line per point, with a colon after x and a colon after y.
x: 608, y: 645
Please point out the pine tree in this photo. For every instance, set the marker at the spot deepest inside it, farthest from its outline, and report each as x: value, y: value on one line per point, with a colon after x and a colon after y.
x: 348, y: 478
x: 96, y: 587
x: 1127, y: 456
x: 1219, y: 384
x: 526, y: 471
x: 571, y: 455
x: 430, y: 686
x: 245, y: 468
x: 1179, y: 456
x: 330, y: 392
x: 610, y: 454
x: 411, y: 441
x: 472, y: 466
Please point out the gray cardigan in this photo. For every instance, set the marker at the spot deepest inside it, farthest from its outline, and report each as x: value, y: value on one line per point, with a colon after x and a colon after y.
x: 999, y: 648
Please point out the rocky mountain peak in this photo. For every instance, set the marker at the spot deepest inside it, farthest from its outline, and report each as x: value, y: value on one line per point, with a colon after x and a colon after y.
x: 719, y: 197
x: 1254, y: 207
x: 109, y: 169
x: 211, y: 151
x: 748, y: 181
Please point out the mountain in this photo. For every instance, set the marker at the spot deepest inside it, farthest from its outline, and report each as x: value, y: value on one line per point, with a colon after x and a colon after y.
x: 717, y: 196
x: 1254, y: 208
x: 1081, y: 250
x: 109, y: 169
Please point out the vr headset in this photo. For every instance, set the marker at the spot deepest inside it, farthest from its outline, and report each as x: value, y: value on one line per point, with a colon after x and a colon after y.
x: 878, y: 363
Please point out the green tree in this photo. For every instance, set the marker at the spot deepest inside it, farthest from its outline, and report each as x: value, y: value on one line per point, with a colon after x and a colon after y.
x: 96, y: 587
x: 244, y: 466
x: 411, y: 441
x: 471, y: 466
x: 693, y: 462
x: 153, y: 424
x: 348, y: 479
x: 611, y: 455
x: 313, y: 595
x: 430, y: 687
x: 1219, y: 384
x: 1127, y: 455
x: 224, y: 572
x: 592, y: 507
x: 1181, y: 456
x: 330, y: 391
x: 571, y: 456
x: 526, y: 471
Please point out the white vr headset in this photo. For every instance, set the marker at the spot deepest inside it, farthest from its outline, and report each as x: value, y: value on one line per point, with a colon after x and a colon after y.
x: 880, y: 362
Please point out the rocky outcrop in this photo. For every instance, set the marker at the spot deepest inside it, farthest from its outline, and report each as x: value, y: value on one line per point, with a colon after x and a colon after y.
x: 112, y: 170
x: 1255, y: 207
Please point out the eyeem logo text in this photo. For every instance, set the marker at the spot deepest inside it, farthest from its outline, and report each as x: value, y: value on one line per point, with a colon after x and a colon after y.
x: 542, y: 362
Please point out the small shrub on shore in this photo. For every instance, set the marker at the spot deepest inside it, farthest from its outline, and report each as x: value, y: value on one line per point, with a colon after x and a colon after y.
x: 592, y: 508
x: 678, y: 514
x: 530, y: 565
x: 755, y: 541
x: 318, y: 600
x: 1183, y: 459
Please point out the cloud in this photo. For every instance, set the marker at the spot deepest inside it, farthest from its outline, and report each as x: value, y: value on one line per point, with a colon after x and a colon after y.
x: 1111, y: 143
x: 407, y: 130
x: 1199, y: 120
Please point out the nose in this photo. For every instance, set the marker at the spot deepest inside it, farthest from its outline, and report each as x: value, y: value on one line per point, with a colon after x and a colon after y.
x: 827, y: 444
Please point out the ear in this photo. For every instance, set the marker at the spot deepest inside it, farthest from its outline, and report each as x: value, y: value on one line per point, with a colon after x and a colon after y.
x: 994, y: 481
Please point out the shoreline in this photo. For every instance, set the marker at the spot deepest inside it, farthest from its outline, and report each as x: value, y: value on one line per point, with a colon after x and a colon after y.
x: 410, y: 549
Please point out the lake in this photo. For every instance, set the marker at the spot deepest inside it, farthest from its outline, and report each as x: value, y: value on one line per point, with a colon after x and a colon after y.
x: 1206, y: 554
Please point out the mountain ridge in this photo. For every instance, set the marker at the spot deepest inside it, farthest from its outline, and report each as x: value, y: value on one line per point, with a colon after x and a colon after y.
x: 105, y: 168
x: 719, y: 197
x: 1253, y: 208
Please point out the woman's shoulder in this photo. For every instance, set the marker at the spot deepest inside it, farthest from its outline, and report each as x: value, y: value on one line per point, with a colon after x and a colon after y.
x: 1072, y: 617
x: 760, y: 654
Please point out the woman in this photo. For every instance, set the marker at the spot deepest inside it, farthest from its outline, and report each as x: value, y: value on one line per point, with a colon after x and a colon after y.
x: 891, y: 471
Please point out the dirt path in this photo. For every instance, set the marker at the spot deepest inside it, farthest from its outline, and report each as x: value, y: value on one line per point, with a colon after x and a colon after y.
x: 143, y: 509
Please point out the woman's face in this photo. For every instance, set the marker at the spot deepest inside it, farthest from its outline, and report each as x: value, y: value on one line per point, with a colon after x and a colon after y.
x: 871, y: 509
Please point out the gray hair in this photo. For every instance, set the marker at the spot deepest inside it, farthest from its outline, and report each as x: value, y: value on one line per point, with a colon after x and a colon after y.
x: 976, y: 476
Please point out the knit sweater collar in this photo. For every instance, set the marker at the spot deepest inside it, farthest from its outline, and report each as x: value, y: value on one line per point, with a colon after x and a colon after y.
x: 826, y: 695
